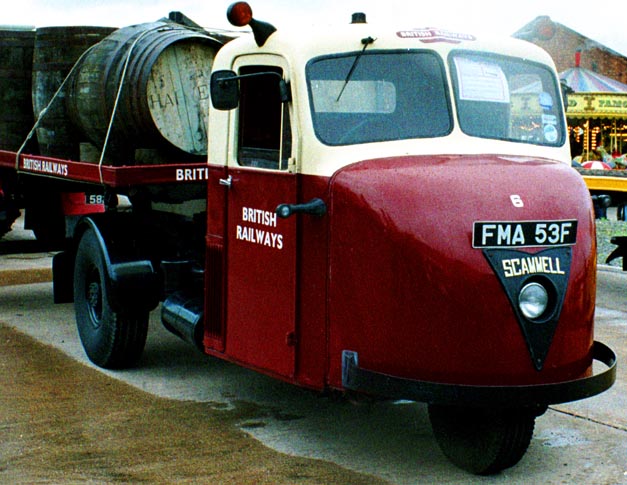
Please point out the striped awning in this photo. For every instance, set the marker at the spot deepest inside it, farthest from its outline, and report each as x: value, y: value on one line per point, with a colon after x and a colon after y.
x: 583, y: 80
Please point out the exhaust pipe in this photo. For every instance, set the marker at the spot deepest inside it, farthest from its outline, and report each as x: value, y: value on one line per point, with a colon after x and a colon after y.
x: 182, y: 314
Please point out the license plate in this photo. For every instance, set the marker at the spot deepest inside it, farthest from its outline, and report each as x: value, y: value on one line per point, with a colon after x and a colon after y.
x: 520, y: 234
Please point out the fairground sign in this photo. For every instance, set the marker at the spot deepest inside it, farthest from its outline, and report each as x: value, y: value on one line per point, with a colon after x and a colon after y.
x: 597, y: 105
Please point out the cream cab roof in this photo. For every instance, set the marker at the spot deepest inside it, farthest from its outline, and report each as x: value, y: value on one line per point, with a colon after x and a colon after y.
x: 298, y: 46
x: 304, y: 43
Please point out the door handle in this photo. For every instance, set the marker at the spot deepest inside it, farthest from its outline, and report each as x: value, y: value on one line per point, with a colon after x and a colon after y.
x: 315, y: 207
x: 227, y: 181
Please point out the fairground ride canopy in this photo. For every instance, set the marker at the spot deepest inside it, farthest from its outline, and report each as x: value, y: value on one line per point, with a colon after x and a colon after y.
x: 595, y: 95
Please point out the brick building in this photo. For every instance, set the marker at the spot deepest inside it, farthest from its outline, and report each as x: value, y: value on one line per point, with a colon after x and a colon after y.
x: 593, y: 127
x: 563, y: 43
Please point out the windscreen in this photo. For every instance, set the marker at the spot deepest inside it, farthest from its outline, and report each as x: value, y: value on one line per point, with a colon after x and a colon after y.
x: 376, y: 96
x: 507, y: 99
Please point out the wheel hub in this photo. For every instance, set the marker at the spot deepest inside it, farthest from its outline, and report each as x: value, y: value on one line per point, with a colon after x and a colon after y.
x: 94, y: 301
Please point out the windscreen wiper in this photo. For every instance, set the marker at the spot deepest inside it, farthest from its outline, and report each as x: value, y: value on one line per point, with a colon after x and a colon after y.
x: 366, y: 41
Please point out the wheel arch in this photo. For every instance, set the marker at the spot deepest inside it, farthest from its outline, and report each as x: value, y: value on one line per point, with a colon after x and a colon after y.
x: 132, y: 281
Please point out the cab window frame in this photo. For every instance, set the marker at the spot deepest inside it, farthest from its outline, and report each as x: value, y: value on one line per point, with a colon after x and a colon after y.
x: 329, y: 135
x: 263, y: 126
x: 471, y: 115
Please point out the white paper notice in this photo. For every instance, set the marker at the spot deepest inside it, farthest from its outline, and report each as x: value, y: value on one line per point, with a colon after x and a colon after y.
x: 481, y: 81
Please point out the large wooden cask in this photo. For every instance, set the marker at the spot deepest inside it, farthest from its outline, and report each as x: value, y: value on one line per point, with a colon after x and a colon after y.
x: 16, y: 65
x: 56, y: 51
x: 150, y: 83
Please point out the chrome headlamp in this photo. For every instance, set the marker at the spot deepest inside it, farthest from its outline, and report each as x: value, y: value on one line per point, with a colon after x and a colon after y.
x: 533, y: 300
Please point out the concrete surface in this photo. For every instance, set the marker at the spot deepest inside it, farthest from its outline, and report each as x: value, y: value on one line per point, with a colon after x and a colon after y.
x: 582, y: 442
x: 21, y: 260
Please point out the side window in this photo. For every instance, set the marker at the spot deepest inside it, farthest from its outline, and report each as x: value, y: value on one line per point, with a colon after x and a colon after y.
x: 265, y: 138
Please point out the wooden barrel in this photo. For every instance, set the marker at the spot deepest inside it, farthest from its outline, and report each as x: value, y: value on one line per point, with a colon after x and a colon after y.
x: 56, y: 51
x: 16, y: 64
x: 164, y: 98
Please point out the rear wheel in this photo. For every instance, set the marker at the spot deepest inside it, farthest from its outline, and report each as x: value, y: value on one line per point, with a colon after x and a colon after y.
x: 482, y: 441
x: 111, y: 339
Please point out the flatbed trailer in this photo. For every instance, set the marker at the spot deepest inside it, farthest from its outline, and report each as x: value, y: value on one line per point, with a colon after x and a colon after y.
x: 115, y: 177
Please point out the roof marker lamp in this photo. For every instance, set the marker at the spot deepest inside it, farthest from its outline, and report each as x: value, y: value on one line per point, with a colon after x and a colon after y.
x: 240, y: 14
x: 533, y: 300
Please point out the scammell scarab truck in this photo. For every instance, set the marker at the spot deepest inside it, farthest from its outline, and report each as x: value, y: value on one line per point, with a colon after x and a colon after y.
x: 386, y: 212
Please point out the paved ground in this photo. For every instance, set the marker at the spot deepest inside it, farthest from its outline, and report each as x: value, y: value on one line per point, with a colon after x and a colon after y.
x: 182, y: 416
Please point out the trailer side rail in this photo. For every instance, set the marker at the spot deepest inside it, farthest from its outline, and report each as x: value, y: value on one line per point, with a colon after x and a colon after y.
x: 111, y: 176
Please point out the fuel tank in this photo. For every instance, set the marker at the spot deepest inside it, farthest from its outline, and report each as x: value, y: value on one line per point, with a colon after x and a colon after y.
x: 417, y: 295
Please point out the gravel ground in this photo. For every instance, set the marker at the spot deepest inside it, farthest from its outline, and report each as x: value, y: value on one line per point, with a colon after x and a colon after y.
x: 606, y: 229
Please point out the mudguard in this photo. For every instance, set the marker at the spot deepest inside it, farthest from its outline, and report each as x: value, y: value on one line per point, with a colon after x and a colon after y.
x: 133, y: 283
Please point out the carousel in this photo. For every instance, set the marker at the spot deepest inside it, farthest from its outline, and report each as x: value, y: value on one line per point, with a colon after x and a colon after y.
x: 597, y: 118
x: 597, y: 124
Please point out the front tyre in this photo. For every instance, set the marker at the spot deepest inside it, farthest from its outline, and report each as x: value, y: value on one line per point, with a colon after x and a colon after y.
x: 482, y: 441
x: 113, y: 340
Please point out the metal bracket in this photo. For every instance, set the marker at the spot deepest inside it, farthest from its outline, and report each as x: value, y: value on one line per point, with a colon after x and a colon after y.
x: 374, y: 383
x: 227, y: 182
x: 350, y: 360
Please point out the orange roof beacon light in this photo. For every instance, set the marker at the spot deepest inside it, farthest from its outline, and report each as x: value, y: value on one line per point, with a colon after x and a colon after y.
x: 240, y: 14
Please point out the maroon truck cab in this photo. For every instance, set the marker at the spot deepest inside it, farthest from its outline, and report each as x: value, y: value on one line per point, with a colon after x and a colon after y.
x: 432, y: 242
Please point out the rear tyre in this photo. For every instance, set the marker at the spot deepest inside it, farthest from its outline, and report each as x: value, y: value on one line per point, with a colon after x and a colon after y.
x: 482, y: 441
x: 113, y: 340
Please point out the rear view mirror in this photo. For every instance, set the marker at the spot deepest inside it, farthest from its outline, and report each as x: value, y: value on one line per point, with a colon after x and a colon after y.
x: 224, y: 90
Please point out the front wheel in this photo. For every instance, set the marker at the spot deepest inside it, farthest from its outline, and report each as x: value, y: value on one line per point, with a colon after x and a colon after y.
x: 482, y: 441
x: 111, y: 339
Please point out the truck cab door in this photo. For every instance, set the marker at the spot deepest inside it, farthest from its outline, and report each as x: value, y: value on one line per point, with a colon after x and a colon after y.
x: 260, y: 247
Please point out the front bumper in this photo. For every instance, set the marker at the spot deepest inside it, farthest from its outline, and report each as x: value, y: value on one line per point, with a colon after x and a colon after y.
x: 365, y: 381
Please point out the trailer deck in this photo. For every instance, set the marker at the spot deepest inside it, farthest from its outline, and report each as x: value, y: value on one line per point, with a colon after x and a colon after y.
x: 108, y: 175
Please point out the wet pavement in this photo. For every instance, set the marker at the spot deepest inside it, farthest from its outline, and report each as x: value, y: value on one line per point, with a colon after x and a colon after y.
x: 61, y: 422
x: 184, y: 417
